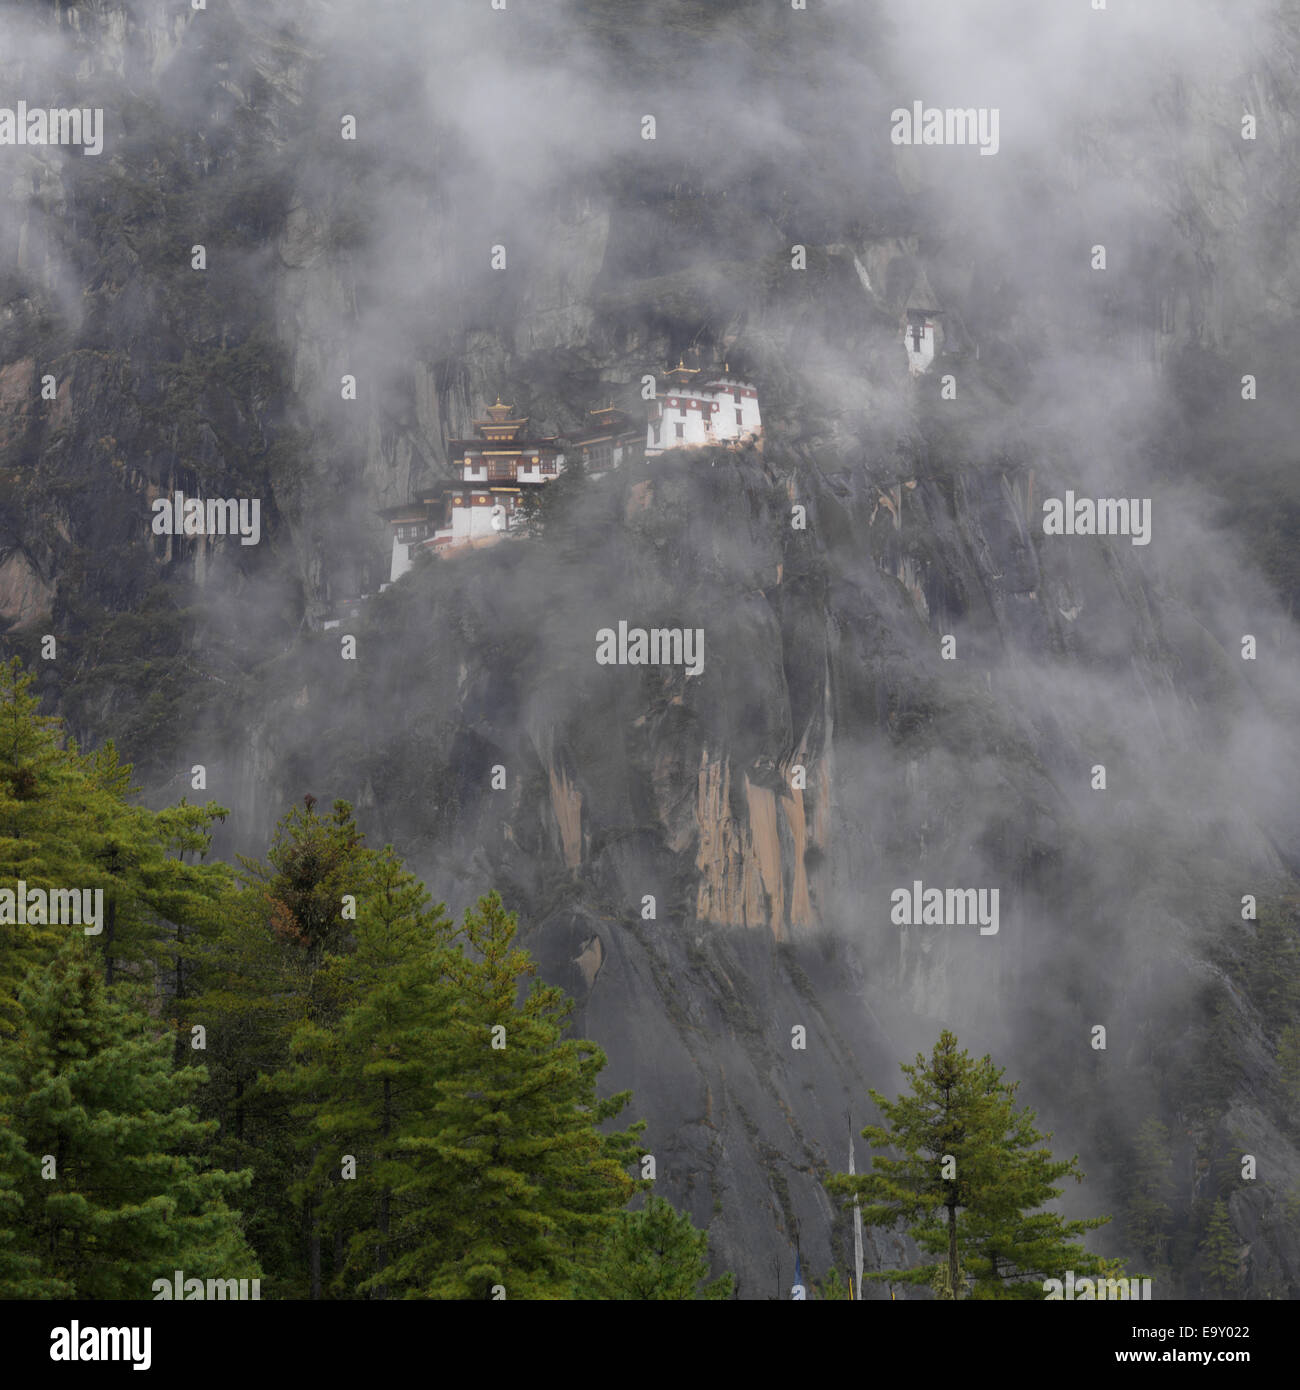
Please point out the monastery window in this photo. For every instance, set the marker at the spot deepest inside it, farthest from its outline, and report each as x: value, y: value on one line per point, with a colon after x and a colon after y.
x: 657, y: 428
x: 681, y: 431
x: 740, y: 417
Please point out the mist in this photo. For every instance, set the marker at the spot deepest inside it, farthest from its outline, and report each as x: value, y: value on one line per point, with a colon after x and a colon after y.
x: 523, y: 129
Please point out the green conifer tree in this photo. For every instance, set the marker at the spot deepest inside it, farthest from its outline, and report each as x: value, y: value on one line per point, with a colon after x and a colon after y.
x: 513, y: 1185
x: 20, y: 1267
x: 970, y: 1183
x: 1148, y: 1215
x: 271, y: 971
x: 113, y: 1193
x: 365, y: 1082
x: 1219, y: 1253
x: 66, y: 822
x: 656, y: 1254
x: 833, y: 1288
x: 1272, y: 967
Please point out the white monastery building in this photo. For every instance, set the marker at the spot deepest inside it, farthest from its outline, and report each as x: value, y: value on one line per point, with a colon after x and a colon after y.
x: 716, y: 409
x: 495, y: 468
x: 920, y: 338
x: 502, y: 463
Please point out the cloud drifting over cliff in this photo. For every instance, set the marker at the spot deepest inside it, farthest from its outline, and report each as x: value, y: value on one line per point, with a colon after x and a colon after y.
x: 523, y: 128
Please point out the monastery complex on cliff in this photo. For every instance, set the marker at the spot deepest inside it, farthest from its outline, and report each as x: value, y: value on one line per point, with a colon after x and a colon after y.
x: 503, y: 463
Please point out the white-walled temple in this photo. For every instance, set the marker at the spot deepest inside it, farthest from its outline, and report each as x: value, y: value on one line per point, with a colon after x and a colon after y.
x: 692, y: 408
x: 920, y: 338
x: 496, y: 467
x: 501, y: 464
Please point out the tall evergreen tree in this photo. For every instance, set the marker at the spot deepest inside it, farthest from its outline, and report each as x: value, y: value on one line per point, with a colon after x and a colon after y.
x: 513, y: 1185
x: 970, y: 1183
x: 39, y: 787
x: 364, y: 1082
x: 833, y: 1288
x: 655, y: 1254
x: 1219, y: 1253
x: 21, y: 1275
x: 1272, y: 967
x: 113, y: 1193
x: 1148, y: 1215
x: 270, y: 972
x: 66, y: 822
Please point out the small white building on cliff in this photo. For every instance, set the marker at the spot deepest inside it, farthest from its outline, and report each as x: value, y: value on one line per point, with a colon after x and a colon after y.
x: 921, y: 338
x: 693, y: 408
x: 496, y: 467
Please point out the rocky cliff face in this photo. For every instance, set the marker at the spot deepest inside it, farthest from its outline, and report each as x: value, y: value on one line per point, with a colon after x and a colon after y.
x: 705, y: 861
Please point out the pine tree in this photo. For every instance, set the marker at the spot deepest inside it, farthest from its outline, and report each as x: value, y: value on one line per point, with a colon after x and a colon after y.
x: 38, y: 787
x: 191, y: 898
x: 513, y: 1185
x: 113, y: 1194
x: 312, y: 865
x: 21, y: 1276
x: 1148, y: 1216
x: 656, y: 1254
x: 1272, y: 967
x: 970, y: 1183
x: 1219, y: 1258
x: 364, y: 1083
x: 272, y: 971
x: 833, y: 1287
x: 66, y: 822
x: 1219, y: 1072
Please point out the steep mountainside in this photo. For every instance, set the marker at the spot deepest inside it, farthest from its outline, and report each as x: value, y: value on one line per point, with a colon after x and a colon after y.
x: 828, y: 753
